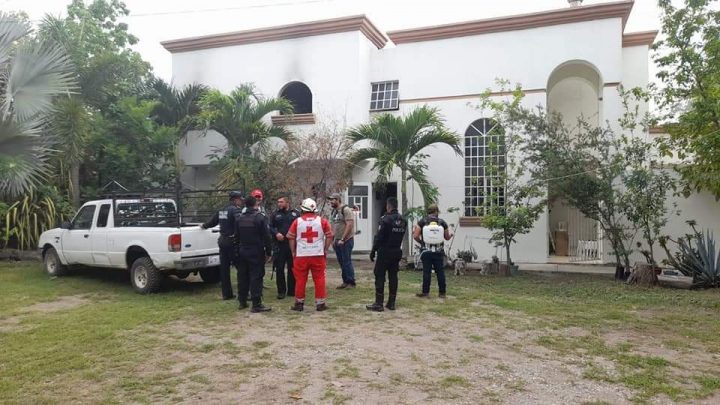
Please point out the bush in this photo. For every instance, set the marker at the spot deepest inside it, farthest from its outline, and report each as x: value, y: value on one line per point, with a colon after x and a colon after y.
x: 23, y: 221
x: 696, y: 257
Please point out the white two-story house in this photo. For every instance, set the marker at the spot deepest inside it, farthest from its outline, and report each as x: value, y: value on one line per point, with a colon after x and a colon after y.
x: 344, y: 70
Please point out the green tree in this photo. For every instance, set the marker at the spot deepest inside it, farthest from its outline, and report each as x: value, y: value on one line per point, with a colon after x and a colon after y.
x: 238, y: 117
x: 689, y: 61
x: 32, y: 74
x: 139, y: 154
x: 108, y: 71
x: 517, y: 199
x: 397, y: 142
x: 583, y: 163
x: 177, y: 107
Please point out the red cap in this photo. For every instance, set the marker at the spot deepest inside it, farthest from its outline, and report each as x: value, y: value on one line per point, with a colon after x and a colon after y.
x: 257, y: 193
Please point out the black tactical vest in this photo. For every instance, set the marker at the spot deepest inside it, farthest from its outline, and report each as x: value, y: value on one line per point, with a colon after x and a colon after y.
x: 248, y: 230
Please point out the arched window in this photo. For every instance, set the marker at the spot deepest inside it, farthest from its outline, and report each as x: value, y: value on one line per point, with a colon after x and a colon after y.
x: 484, y: 165
x: 299, y: 95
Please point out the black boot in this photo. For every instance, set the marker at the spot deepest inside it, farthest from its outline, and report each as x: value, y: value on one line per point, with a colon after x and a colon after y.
x: 258, y: 306
x: 391, y: 302
x: 243, y: 305
x: 376, y: 306
x: 299, y: 306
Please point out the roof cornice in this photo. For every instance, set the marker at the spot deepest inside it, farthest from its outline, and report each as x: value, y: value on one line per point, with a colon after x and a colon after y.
x: 619, y: 9
x: 639, y: 38
x: 306, y: 29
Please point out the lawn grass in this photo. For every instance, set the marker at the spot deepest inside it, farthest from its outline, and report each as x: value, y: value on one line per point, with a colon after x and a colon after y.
x: 99, y: 346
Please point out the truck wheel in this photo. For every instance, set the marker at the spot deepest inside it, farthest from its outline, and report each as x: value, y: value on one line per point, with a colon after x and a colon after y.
x: 144, y: 276
x: 210, y: 275
x: 52, y: 264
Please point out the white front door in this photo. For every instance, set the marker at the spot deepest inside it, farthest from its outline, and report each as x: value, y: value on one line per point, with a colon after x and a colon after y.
x: 359, y: 200
x: 76, y: 245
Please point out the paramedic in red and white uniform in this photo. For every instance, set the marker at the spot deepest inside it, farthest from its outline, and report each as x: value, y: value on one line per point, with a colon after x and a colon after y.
x: 310, y: 237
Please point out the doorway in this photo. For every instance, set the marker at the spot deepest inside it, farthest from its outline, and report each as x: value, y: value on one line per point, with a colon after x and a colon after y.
x: 381, y: 193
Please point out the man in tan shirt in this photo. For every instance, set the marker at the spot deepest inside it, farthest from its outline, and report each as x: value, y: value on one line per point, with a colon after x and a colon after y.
x: 343, y: 224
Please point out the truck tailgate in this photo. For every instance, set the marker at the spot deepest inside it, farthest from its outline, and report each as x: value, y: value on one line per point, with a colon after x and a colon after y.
x: 198, y: 242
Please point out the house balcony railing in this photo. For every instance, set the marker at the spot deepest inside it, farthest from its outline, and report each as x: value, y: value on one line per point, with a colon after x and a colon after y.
x: 293, y: 119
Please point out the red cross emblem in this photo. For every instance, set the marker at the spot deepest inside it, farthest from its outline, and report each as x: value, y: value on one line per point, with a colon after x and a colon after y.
x: 309, y: 234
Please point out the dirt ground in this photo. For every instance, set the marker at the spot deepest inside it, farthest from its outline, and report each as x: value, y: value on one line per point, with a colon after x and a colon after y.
x: 350, y: 355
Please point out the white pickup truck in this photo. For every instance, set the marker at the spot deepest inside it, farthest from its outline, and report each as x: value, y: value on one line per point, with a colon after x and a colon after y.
x: 142, y: 235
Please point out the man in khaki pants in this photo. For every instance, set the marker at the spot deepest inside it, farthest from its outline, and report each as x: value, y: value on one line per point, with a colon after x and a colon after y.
x: 343, y: 224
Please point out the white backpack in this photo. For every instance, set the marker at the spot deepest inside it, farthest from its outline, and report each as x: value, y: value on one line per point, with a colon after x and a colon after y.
x: 433, y: 236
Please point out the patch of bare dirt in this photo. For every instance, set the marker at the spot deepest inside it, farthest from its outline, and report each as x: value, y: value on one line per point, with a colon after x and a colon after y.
x: 60, y: 304
x: 360, y: 357
x: 14, y: 323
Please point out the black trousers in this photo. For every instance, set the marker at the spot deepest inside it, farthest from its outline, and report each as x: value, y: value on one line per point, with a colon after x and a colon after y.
x: 430, y: 261
x: 227, y: 259
x: 250, y: 272
x: 388, y: 261
x: 283, y: 258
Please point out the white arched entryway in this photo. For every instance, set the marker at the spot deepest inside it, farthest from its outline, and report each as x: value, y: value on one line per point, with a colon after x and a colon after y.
x: 574, y: 90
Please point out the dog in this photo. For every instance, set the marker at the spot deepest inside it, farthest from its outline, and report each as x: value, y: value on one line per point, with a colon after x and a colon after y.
x: 459, y: 265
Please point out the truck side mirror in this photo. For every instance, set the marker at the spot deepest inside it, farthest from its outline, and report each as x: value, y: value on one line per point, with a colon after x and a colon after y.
x: 66, y: 225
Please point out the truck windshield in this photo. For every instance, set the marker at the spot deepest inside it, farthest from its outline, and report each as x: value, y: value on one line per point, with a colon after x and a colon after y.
x: 146, y: 213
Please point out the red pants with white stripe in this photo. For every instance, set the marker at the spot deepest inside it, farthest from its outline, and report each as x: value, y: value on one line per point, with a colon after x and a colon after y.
x: 310, y: 264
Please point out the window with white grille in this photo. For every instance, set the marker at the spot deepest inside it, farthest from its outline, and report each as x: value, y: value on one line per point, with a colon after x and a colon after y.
x: 484, y: 163
x: 384, y: 96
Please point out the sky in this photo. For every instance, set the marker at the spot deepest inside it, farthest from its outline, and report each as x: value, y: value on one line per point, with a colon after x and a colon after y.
x: 153, y: 21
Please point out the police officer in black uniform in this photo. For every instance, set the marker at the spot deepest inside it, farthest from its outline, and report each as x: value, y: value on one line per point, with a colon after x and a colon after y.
x: 280, y: 223
x: 226, y: 241
x: 388, y: 247
x: 254, y: 250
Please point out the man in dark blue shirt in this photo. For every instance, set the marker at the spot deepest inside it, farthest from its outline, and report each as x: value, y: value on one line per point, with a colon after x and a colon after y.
x: 280, y: 222
x: 387, y: 245
x: 226, y: 241
x: 254, y: 250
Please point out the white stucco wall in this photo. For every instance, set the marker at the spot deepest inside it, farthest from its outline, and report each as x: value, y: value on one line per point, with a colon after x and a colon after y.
x: 470, y: 65
x: 339, y: 68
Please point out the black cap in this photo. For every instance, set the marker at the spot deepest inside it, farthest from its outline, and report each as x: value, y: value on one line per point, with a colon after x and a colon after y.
x: 235, y: 194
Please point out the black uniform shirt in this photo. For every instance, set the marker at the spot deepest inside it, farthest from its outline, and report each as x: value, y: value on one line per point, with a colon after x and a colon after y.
x: 226, y: 218
x: 391, y: 230
x: 251, y: 229
x: 281, y: 220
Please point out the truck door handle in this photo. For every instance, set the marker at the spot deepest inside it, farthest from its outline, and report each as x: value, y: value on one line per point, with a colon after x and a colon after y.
x: 86, y: 235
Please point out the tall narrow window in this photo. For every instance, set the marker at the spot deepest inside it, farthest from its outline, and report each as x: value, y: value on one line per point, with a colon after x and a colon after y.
x: 299, y: 95
x: 384, y: 96
x: 484, y: 165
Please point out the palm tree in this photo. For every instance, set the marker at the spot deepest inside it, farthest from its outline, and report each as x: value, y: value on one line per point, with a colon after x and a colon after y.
x: 238, y: 116
x: 32, y: 74
x: 71, y: 124
x: 396, y: 142
x: 176, y: 107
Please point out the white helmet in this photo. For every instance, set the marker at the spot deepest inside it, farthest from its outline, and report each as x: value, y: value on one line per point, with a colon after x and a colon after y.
x: 308, y: 205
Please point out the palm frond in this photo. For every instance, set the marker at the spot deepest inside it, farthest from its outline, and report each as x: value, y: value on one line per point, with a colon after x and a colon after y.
x: 23, y: 156
x: 266, y: 106
x: 11, y: 31
x: 436, y: 136
x: 360, y: 155
x: 38, y: 72
x: 70, y: 124
x: 238, y: 116
x: 429, y: 191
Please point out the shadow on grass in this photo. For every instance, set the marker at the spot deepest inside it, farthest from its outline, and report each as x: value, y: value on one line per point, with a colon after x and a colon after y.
x: 120, y: 277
